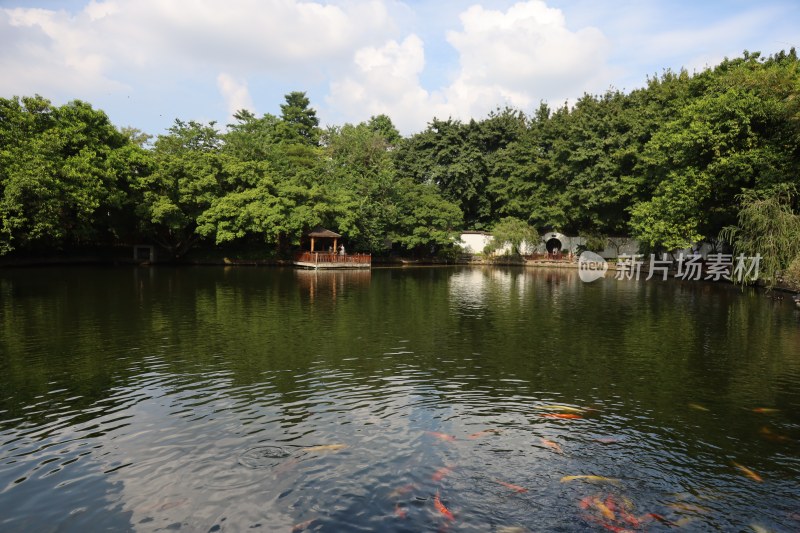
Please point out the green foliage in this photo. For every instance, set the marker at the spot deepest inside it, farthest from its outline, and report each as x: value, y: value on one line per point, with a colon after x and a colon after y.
x: 767, y: 226
x: 792, y: 275
x: 666, y: 164
x: 299, y: 121
x: 62, y: 174
x: 512, y: 231
x: 426, y: 221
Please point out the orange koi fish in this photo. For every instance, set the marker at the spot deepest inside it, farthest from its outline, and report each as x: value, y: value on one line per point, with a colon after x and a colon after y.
x: 441, y: 508
x: 615, y: 529
x: 567, y: 408
x: 441, y: 436
x: 766, y: 410
x: 747, y: 472
x: 556, y: 447
x: 565, y: 416
x: 515, y: 488
x: 483, y: 433
x: 400, y: 512
x: 439, y: 474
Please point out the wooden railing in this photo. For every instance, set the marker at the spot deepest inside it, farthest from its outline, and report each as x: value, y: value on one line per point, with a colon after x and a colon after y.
x: 326, y: 257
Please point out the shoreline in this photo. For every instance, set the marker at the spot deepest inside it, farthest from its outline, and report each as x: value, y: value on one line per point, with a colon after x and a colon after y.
x: 378, y: 263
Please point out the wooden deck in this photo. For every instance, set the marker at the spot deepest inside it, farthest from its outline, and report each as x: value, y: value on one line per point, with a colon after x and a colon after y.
x: 317, y: 260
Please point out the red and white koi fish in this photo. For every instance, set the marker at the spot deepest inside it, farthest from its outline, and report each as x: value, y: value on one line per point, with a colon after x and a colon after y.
x: 441, y: 508
x: 556, y: 447
x: 564, y: 416
x: 400, y: 512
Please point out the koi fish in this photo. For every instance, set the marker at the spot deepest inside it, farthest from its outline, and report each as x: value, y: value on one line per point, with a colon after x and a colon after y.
x: 615, y: 529
x: 326, y: 448
x: 303, y: 525
x: 439, y: 474
x: 565, y: 416
x: 399, y: 491
x: 688, y: 508
x: 591, y: 479
x: 770, y: 435
x: 484, y: 432
x: 566, y: 408
x: 765, y: 410
x: 759, y: 529
x: 441, y: 508
x: 660, y: 518
x: 511, y: 529
x: 607, y: 440
x: 607, y: 512
x: 556, y: 447
x: 515, y: 488
x: 629, y: 518
x: 698, y: 407
x: 441, y: 436
x: 747, y: 472
x: 400, y: 512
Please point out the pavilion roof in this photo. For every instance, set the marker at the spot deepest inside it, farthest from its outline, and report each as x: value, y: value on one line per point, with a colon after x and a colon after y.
x: 319, y: 231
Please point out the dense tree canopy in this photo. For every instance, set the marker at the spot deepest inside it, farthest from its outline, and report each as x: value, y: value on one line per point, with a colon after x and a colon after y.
x: 667, y: 164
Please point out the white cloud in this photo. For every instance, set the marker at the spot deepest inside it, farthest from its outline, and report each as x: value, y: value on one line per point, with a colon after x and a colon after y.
x: 106, y: 43
x: 235, y: 93
x: 517, y: 57
x: 385, y: 80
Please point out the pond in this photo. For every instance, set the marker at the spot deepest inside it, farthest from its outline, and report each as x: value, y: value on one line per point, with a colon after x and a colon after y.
x: 426, y: 399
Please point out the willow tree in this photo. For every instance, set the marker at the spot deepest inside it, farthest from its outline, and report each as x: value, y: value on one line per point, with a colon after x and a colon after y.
x: 767, y: 226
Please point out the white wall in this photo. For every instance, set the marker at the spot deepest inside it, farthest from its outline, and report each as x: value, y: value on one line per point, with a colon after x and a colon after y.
x: 474, y: 243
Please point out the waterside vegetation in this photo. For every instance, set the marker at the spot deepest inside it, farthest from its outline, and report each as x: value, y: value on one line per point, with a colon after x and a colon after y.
x: 709, y: 156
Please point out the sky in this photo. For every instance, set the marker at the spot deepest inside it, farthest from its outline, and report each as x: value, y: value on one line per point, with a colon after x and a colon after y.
x: 149, y: 62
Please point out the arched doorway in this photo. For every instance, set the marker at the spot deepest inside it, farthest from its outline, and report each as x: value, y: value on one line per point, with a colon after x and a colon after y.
x: 553, y: 245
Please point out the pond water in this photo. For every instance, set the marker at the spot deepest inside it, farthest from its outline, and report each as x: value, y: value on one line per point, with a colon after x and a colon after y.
x: 429, y: 399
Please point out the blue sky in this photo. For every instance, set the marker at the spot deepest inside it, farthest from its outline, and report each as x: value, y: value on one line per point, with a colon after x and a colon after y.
x: 148, y: 62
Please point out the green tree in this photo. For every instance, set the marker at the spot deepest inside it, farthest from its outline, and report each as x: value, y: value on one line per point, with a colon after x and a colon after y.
x: 514, y: 232
x: 361, y: 181
x: 62, y: 174
x: 426, y: 221
x: 300, y: 121
x: 189, y: 175
x: 767, y: 226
